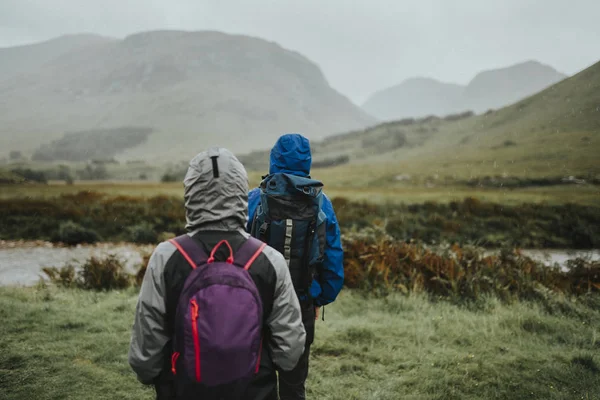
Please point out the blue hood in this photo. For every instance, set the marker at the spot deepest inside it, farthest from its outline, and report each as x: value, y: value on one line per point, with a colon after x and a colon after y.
x: 291, y: 155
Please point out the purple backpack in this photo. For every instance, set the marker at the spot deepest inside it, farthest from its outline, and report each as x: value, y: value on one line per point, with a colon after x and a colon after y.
x: 218, y: 324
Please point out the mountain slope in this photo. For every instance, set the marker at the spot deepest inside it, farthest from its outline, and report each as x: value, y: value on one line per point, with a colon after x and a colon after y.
x: 487, y: 90
x: 416, y: 97
x: 554, y: 133
x: 193, y: 89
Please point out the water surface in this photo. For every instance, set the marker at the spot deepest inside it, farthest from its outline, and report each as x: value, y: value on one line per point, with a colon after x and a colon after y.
x: 21, y: 263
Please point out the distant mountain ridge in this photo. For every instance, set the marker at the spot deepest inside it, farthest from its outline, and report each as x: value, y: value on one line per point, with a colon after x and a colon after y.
x: 21, y: 59
x: 415, y: 97
x: 553, y: 134
x: 420, y: 97
x: 192, y: 89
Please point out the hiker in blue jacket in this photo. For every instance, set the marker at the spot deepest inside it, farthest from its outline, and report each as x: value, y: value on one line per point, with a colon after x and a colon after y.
x: 290, y: 163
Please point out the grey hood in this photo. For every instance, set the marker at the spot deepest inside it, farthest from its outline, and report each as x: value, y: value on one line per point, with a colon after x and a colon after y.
x: 216, y: 192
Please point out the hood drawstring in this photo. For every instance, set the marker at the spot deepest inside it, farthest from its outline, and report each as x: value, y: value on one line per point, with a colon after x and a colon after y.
x: 215, y: 166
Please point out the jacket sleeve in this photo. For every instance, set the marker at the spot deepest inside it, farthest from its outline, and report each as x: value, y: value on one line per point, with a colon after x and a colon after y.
x: 331, y: 274
x: 288, y: 335
x: 149, y: 335
x: 253, y: 202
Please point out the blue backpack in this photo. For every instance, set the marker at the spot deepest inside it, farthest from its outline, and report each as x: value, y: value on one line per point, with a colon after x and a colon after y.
x: 289, y: 218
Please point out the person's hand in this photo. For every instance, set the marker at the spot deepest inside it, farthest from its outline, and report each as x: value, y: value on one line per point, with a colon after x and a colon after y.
x: 317, y: 313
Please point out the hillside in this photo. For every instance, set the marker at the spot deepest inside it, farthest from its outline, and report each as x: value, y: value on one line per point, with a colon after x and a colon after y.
x: 192, y: 89
x: 554, y: 133
x: 492, y: 89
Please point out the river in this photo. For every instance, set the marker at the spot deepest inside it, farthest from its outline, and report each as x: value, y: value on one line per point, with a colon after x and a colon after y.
x: 21, y: 263
x: 560, y: 257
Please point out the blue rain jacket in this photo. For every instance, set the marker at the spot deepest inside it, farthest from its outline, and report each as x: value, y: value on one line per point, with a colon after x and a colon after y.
x: 291, y: 155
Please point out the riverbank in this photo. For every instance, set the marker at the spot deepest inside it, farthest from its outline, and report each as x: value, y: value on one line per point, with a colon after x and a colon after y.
x: 21, y: 261
x: 59, y: 343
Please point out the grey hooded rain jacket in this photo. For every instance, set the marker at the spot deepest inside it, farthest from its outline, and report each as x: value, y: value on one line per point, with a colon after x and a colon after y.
x: 216, y: 205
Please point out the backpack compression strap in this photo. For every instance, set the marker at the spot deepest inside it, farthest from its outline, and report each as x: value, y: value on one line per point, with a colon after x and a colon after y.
x: 249, y: 252
x: 191, y: 250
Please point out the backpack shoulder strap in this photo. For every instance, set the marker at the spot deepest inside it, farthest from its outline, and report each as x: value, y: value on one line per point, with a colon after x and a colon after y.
x: 249, y: 252
x: 191, y: 250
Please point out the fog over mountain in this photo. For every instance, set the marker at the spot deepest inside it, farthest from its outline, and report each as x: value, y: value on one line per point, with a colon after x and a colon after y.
x: 495, y: 88
x: 361, y: 46
x: 193, y: 89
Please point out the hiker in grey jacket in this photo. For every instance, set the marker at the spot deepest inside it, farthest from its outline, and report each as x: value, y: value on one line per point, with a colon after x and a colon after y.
x: 216, y: 202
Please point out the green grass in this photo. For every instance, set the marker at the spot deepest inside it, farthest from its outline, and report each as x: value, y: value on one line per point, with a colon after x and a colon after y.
x: 66, y: 345
x: 578, y: 194
x: 70, y: 344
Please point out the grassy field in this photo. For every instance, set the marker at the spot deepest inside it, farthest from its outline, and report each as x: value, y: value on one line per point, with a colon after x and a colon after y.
x: 70, y: 344
x: 560, y: 194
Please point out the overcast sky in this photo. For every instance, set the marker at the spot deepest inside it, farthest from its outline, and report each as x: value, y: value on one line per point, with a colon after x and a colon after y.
x: 361, y: 46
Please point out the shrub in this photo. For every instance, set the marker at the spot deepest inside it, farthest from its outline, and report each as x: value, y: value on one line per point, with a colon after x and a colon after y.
x: 139, y: 276
x: 72, y: 233
x: 64, y: 276
x: 143, y: 233
x: 97, y: 172
x: 16, y: 155
x: 104, y: 274
x: 169, y: 177
x: 31, y: 175
x: 95, y: 274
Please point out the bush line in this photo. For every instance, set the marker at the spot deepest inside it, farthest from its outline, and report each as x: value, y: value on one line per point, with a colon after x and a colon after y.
x: 87, y: 217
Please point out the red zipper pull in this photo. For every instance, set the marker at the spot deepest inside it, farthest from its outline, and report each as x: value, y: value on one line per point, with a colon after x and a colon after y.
x: 196, y: 338
x: 194, y: 310
x: 174, y: 358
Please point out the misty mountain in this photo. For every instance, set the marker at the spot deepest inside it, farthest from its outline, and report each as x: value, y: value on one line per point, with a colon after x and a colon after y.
x: 500, y: 87
x: 415, y: 97
x: 552, y: 134
x: 192, y: 89
x: 22, y: 59
x: 496, y: 88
